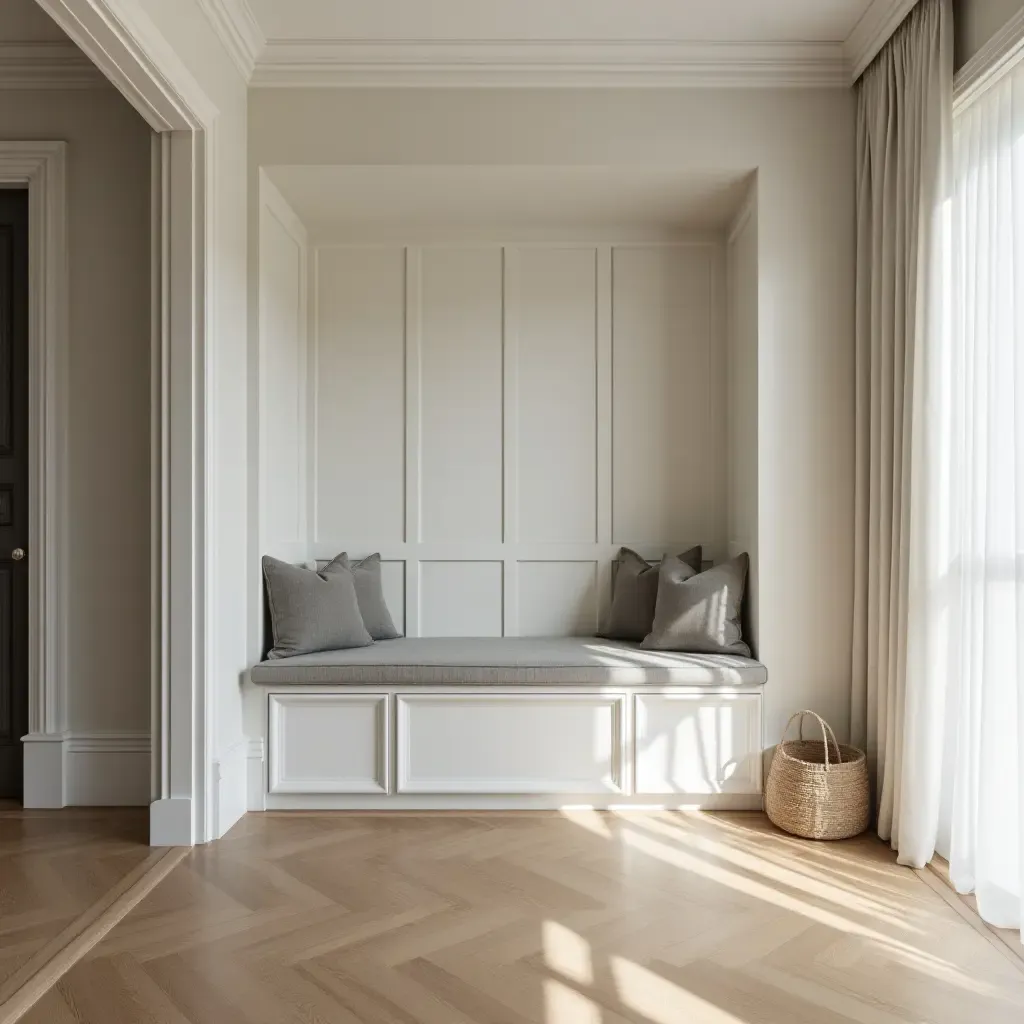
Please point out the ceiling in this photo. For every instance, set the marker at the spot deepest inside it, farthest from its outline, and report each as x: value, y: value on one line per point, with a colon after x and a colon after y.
x: 805, y: 43
x: 335, y: 201
x: 779, y: 21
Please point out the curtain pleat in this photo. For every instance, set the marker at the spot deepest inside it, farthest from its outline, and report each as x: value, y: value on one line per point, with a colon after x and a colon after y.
x: 904, y: 105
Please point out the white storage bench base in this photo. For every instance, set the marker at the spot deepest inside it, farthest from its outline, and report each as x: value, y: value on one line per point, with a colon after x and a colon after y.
x: 507, y: 723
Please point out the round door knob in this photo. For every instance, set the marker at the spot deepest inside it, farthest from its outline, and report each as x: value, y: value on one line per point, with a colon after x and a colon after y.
x: 18, y: 554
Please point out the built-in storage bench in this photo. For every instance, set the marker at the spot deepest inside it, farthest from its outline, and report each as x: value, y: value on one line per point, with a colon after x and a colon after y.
x: 511, y: 722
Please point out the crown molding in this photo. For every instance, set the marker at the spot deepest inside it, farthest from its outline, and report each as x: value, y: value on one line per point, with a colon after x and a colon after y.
x: 238, y: 31
x: 481, y: 63
x: 873, y: 31
x: 990, y: 63
x: 47, y: 66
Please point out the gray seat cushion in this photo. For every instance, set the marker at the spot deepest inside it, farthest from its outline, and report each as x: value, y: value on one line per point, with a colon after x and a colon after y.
x: 494, y: 661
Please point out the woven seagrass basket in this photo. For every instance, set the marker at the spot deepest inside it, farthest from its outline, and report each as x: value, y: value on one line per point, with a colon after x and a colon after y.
x: 818, y: 789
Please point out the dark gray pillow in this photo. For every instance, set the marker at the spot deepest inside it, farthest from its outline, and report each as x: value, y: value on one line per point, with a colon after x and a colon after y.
x: 635, y: 593
x: 700, y: 613
x: 311, y: 611
x: 369, y: 592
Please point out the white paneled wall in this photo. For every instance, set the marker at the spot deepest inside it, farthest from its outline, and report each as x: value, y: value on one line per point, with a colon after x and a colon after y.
x: 497, y: 420
x: 742, y: 376
x: 359, y: 381
x: 283, y: 348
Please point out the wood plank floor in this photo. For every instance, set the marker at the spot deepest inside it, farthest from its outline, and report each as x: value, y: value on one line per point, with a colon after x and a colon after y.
x: 580, y: 918
x: 54, y: 865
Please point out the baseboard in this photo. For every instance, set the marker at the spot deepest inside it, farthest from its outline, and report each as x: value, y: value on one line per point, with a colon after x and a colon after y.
x: 504, y: 802
x: 45, y: 776
x: 255, y: 789
x: 170, y: 822
x: 231, y: 787
x: 107, y: 769
x: 86, y: 769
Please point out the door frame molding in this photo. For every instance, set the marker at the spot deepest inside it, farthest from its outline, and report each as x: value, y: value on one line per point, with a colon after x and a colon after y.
x: 41, y: 168
x: 126, y: 45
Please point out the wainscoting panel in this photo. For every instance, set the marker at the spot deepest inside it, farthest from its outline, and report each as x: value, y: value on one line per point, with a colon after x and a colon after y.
x: 557, y: 394
x: 558, y: 598
x: 510, y: 743
x: 460, y: 395
x: 359, y: 375
x: 330, y: 743
x: 698, y: 743
x: 496, y: 419
x: 460, y: 598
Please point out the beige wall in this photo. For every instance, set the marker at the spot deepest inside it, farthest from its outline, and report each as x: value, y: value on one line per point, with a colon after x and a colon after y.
x: 975, y: 22
x: 108, y: 388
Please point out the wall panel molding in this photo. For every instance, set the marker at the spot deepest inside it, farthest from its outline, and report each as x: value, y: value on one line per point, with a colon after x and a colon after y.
x: 502, y: 356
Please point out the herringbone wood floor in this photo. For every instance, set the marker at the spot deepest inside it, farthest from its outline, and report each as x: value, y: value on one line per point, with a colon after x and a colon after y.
x: 575, y: 919
x: 54, y: 865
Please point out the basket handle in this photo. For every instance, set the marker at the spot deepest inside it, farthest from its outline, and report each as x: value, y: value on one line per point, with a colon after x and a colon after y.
x: 826, y: 732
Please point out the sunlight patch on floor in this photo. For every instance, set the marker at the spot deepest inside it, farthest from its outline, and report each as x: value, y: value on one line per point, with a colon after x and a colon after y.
x: 567, y: 953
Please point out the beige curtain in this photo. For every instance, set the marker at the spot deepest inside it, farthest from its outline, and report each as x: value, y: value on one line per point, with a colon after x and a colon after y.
x: 904, y: 124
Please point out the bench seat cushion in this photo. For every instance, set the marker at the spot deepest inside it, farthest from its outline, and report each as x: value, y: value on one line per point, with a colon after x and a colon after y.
x: 512, y: 661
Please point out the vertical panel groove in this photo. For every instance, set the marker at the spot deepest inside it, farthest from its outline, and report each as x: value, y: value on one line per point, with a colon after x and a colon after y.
x: 511, y: 299
x: 413, y: 431
x: 604, y: 293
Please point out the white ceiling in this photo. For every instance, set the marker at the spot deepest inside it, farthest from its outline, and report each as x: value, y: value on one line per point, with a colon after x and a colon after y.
x: 779, y: 21
x: 406, y: 201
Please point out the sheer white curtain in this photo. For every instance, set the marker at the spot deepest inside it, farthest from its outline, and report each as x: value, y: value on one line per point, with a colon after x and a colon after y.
x: 985, y: 745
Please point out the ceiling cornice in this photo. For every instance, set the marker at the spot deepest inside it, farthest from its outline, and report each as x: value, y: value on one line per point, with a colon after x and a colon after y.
x: 989, y: 64
x: 486, y: 63
x: 47, y: 66
x: 872, y: 32
x: 238, y: 30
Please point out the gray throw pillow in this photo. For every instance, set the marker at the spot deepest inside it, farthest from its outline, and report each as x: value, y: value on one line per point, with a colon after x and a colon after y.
x: 635, y: 593
x: 312, y: 611
x: 369, y: 592
x: 700, y: 613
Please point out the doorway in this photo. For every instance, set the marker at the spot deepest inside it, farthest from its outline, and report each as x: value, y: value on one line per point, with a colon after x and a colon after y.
x: 14, y: 487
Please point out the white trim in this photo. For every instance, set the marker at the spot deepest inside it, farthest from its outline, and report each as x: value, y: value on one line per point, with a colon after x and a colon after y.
x: 45, y: 776
x: 41, y: 168
x: 128, y: 48
x: 122, y: 41
x: 254, y: 775
x: 47, y: 66
x: 1001, y: 53
x: 476, y: 63
x: 230, y: 775
x: 427, y: 802
x: 238, y: 31
x: 105, y: 742
x: 378, y: 703
x: 87, y: 769
x: 873, y: 31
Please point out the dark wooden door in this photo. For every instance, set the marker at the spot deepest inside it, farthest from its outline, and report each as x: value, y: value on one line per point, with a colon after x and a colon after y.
x: 14, y: 511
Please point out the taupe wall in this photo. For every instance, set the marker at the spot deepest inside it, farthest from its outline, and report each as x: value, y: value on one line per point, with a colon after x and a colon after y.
x: 975, y: 22
x: 108, y: 388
